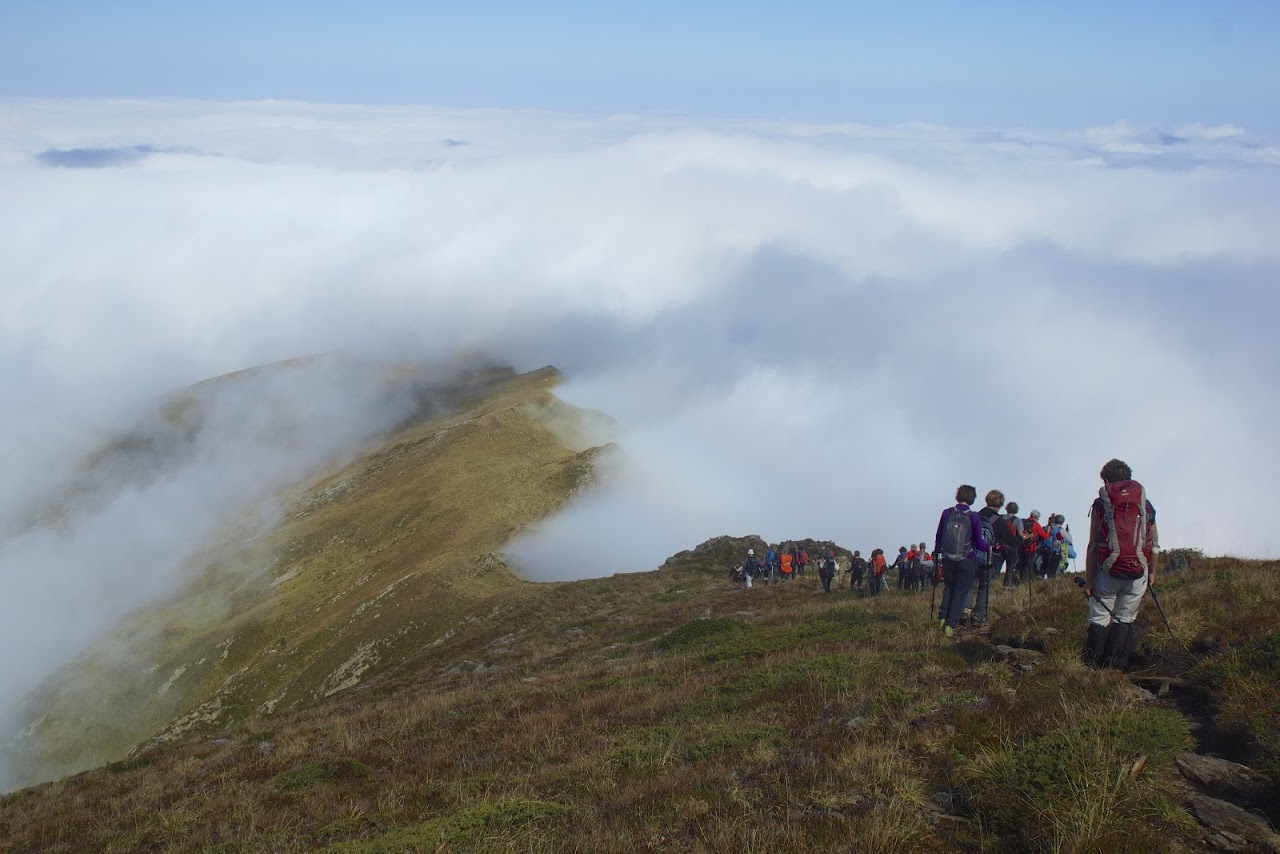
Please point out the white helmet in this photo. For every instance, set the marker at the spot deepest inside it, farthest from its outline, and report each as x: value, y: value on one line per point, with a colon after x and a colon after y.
x: 751, y: 551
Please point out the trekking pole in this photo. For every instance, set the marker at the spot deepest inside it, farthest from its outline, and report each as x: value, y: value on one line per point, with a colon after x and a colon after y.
x: 1083, y: 585
x: 1160, y: 608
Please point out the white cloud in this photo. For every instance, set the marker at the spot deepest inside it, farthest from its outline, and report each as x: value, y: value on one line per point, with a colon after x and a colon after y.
x: 805, y: 330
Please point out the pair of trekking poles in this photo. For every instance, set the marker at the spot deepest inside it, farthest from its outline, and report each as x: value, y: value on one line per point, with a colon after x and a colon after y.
x: 1084, y: 585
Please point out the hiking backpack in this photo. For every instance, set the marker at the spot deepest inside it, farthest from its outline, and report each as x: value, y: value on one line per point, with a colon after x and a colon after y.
x: 1029, y: 538
x: 1125, y: 518
x: 957, y: 536
x: 1007, y: 534
x: 987, y: 558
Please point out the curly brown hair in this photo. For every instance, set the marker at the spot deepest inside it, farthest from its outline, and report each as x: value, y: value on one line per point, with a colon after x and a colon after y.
x: 966, y: 494
x: 1116, y: 470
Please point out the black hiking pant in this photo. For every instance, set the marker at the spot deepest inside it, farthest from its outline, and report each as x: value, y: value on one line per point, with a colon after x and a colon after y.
x: 826, y: 582
x: 957, y: 579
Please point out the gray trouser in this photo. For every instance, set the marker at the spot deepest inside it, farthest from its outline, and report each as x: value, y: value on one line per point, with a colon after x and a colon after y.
x: 1121, y: 595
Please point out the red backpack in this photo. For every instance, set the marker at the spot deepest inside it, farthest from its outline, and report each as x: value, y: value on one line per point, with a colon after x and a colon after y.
x: 1125, y: 518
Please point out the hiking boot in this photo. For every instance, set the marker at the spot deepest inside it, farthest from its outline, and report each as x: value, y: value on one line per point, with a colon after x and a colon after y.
x: 942, y: 624
x: 950, y: 632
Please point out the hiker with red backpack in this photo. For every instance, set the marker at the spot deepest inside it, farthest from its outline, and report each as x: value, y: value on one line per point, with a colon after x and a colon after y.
x: 1032, y: 536
x: 1119, y: 565
x: 957, y: 542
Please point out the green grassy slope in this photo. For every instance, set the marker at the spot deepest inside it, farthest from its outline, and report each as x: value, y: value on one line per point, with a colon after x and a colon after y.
x: 669, y: 710
x: 371, y: 562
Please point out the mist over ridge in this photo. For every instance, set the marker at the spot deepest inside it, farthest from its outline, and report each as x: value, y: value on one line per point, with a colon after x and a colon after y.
x: 802, y: 329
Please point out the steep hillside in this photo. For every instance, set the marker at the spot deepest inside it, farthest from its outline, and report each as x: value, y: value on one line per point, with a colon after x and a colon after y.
x: 370, y: 563
x: 671, y: 711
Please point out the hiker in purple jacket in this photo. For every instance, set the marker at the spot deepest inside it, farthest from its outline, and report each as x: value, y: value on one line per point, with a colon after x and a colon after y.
x: 956, y: 545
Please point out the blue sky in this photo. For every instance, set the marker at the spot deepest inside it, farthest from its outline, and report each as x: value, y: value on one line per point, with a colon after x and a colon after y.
x: 993, y: 63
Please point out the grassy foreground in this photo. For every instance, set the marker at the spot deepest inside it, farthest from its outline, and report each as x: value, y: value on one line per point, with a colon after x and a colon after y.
x: 671, y: 711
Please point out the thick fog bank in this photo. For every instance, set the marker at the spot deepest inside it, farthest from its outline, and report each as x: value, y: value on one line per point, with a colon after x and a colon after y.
x: 803, y: 330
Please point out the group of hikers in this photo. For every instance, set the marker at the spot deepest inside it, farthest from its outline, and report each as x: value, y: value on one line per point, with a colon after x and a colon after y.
x: 1024, y: 548
x: 971, y: 548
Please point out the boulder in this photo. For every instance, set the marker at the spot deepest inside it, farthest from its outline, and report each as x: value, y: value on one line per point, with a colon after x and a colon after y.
x: 1228, y: 822
x: 1232, y: 780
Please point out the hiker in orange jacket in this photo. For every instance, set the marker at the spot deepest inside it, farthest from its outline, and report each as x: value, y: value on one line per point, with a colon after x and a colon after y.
x: 876, y: 571
x: 786, y: 560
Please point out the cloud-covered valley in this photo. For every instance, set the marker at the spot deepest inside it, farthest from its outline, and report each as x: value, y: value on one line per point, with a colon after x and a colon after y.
x: 802, y: 330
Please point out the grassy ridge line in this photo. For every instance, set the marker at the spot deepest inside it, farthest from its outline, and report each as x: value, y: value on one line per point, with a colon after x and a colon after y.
x: 670, y: 711
x: 372, y: 561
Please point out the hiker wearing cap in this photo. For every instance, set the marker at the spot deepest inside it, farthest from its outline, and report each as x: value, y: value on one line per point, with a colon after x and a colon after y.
x: 957, y: 542
x: 1119, y: 565
x: 750, y: 569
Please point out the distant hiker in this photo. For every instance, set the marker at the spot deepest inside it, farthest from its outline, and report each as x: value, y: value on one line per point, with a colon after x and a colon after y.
x: 786, y: 562
x: 1009, y: 540
x: 857, y: 571
x: 985, y: 564
x: 750, y: 569
x: 802, y: 560
x: 1032, y: 536
x: 927, y: 568
x: 827, y: 571
x: 771, y: 564
x: 1061, y: 550
x: 1119, y: 564
x: 958, y: 540
x: 900, y: 564
x: 912, y: 568
x: 876, y: 571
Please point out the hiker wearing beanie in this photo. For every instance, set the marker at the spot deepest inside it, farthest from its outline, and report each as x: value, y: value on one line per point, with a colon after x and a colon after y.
x: 1119, y: 565
x: 857, y: 571
x: 1008, y: 530
x: 958, y: 540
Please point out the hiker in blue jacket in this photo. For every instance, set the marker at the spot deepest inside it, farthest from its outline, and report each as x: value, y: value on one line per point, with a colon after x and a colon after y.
x: 958, y: 540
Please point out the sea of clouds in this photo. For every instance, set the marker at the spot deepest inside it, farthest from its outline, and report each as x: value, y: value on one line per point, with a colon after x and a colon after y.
x: 802, y: 329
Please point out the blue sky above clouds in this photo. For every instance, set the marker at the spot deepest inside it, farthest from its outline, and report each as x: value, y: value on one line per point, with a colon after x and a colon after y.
x: 1003, y: 63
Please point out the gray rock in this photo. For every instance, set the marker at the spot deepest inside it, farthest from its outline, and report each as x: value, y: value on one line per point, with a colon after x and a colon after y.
x: 1137, y: 694
x: 1221, y: 777
x: 1018, y: 655
x: 222, y: 742
x: 1222, y: 818
x: 265, y: 747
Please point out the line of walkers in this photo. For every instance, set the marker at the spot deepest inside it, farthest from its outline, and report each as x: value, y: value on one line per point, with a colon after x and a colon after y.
x: 972, y: 548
